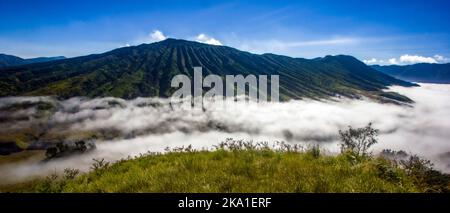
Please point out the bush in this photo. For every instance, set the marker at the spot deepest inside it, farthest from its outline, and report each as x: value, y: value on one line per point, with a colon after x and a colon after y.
x: 388, y: 171
x: 358, y: 141
x: 70, y: 174
x: 99, y: 164
x: 314, y: 151
x: 50, y: 184
x: 425, y: 176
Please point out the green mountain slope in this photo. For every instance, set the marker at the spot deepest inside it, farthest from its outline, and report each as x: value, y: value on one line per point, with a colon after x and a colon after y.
x: 426, y: 73
x: 147, y: 70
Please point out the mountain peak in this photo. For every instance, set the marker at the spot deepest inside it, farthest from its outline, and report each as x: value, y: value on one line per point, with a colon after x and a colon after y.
x: 340, y: 57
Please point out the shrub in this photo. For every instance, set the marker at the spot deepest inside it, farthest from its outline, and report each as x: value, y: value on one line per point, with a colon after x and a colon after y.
x: 70, y: 174
x: 358, y: 141
x: 50, y: 184
x: 99, y: 164
x: 314, y: 151
x: 425, y: 176
x: 388, y: 170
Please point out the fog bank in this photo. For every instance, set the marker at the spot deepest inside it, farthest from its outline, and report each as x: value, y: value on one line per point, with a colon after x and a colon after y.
x: 151, y: 124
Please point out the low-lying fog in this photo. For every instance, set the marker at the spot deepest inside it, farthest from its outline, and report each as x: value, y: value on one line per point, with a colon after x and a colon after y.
x: 152, y: 125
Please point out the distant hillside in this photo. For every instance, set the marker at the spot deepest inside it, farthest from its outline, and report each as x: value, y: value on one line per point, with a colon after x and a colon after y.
x: 146, y: 70
x: 424, y: 73
x: 10, y: 60
x: 43, y: 59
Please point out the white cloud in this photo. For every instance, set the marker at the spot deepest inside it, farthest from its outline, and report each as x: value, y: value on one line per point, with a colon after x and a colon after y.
x: 154, y: 36
x: 157, y: 36
x: 414, y: 59
x: 126, y: 45
x: 393, y: 61
x: 441, y: 58
x: 408, y: 59
x: 371, y: 61
x: 207, y: 40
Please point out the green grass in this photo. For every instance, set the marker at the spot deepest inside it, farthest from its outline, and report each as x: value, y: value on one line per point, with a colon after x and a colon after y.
x: 236, y: 170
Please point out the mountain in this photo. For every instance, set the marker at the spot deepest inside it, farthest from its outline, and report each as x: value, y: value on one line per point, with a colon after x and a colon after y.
x: 43, y: 59
x: 425, y: 73
x: 10, y: 60
x: 146, y: 70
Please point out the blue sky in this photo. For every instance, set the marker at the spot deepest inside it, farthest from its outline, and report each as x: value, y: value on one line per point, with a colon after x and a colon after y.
x: 379, y: 32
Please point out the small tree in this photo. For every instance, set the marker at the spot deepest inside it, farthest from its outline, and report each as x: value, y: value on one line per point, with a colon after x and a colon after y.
x: 358, y: 140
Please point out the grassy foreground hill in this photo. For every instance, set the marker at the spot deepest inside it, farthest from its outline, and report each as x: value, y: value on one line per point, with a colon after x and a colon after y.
x: 227, y: 171
x: 245, y: 167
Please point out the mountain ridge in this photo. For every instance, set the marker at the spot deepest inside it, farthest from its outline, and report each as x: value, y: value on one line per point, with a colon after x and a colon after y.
x: 146, y: 70
x: 422, y: 72
x: 12, y: 60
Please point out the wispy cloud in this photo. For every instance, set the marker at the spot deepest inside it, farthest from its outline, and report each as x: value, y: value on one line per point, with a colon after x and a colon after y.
x: 157, y: 36
x: 154, y: 36
x: 441, y: 59
x: 372, y: 61
x: 408, y: 59
x: 393, y: 61
x: 414, y: 59
x: 333, y: 41
x: 279, y: 44
x: 207, y: 40
x: 292, y: 47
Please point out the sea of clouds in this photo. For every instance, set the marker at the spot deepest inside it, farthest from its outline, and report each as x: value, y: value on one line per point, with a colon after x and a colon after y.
x: 151, y: 124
